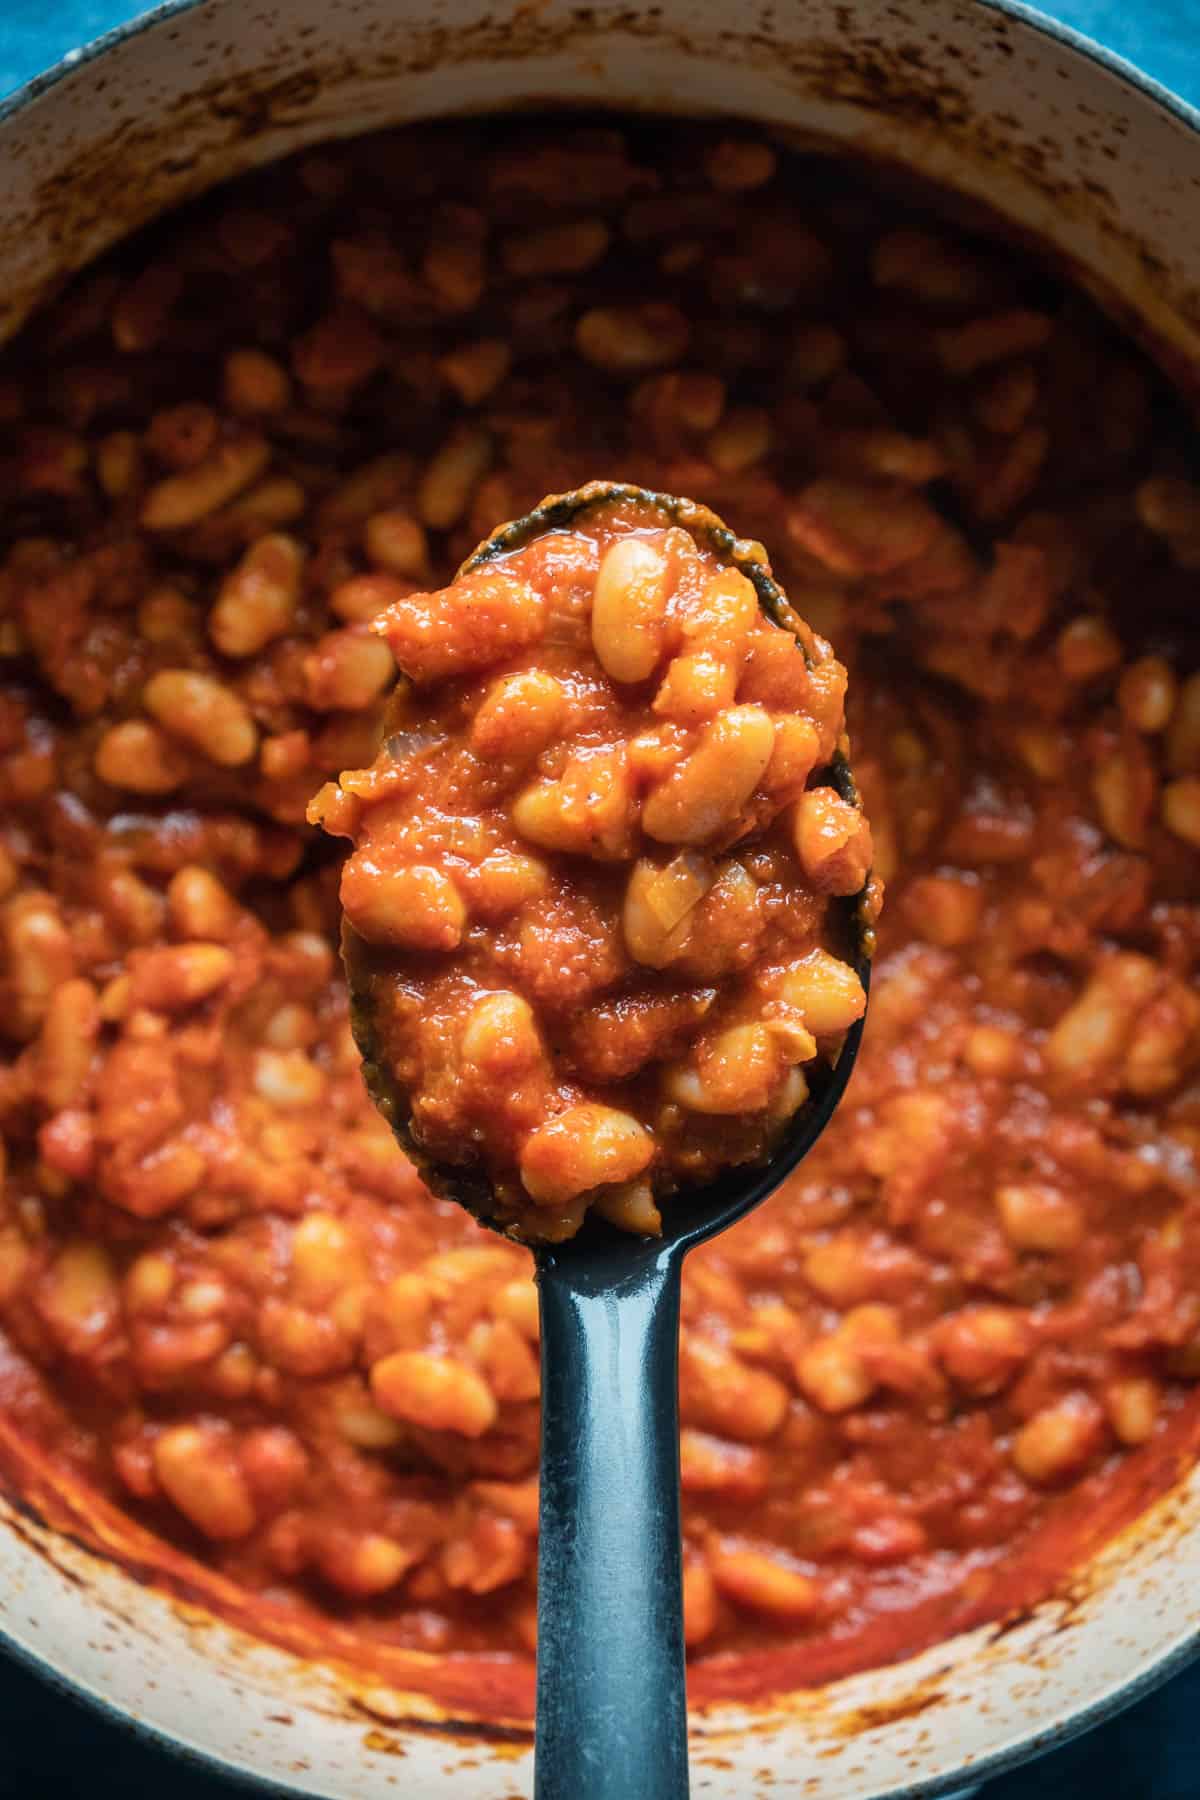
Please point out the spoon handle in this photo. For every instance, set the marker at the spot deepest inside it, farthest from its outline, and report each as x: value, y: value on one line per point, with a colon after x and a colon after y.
x: 611, y: 1694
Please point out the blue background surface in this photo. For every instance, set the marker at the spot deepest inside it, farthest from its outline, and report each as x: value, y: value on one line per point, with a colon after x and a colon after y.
x: 1154, y: 34
x: 52, y: 1749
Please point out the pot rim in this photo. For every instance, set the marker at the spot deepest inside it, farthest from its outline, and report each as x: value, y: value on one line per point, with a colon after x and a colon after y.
x: 999, y: 1762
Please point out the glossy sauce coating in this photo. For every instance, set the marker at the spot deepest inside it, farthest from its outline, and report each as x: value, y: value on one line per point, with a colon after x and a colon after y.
x: 590, y: 900
x: 919, y: 1380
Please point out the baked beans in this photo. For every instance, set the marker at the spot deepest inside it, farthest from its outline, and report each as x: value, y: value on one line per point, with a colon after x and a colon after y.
x: 919, y: 1381
x: 569, y: 975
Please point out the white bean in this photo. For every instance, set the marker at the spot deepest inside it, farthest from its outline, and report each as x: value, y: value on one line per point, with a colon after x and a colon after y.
x: 708, y: 790
x: 629, y: 609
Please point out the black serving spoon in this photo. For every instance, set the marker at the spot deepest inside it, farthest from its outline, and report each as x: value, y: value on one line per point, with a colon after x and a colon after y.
x: 611, y: 1689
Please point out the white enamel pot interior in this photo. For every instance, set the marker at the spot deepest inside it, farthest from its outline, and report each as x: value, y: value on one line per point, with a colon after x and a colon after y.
x: 1067, y: 144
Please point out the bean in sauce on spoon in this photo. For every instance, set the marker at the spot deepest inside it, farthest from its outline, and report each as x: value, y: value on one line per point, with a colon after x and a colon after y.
x: 611, y: 714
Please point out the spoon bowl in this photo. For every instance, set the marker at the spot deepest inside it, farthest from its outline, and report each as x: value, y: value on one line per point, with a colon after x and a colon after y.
x: 611, y: 1686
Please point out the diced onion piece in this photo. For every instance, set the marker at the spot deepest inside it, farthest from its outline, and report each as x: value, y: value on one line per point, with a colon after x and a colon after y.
x: 679, y: 888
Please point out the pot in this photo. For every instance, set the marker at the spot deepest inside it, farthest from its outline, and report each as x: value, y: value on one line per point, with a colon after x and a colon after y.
x: 1071, y: 147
